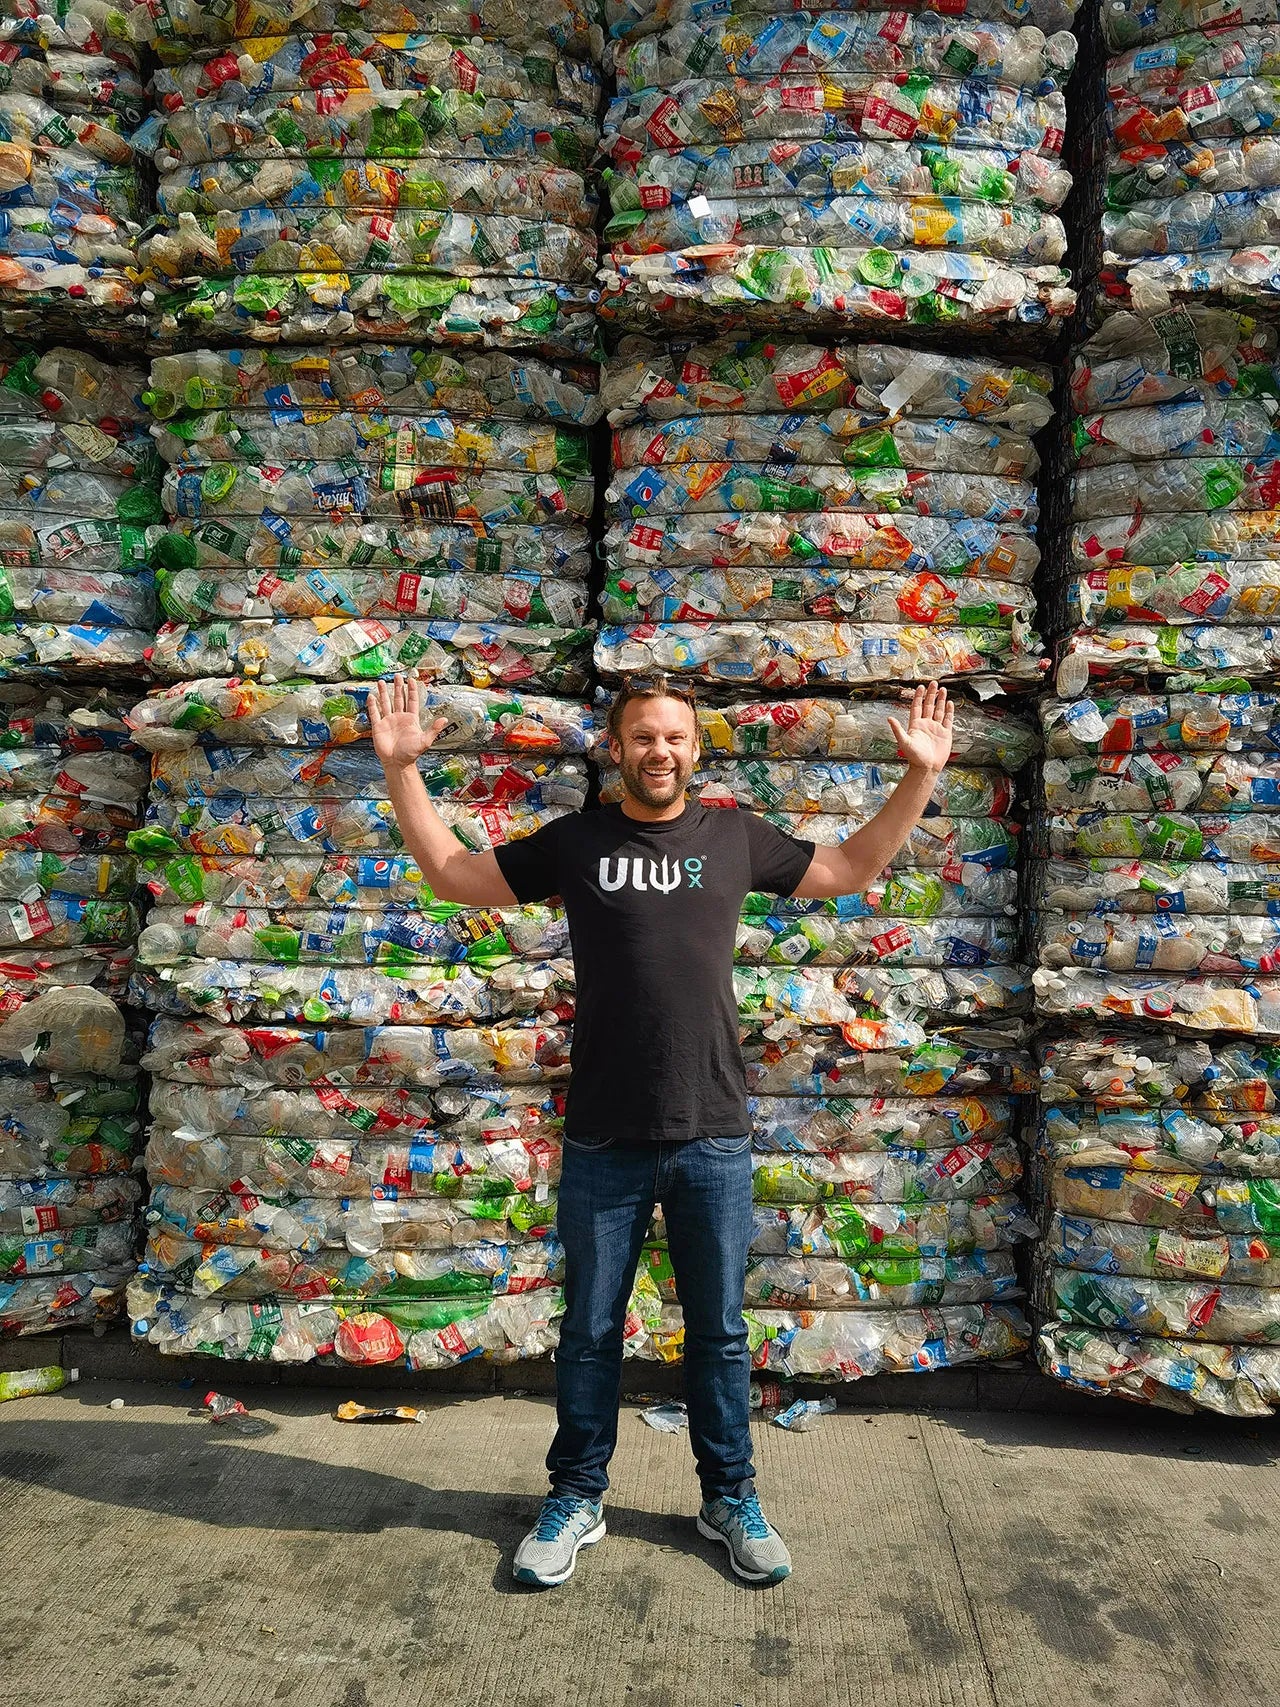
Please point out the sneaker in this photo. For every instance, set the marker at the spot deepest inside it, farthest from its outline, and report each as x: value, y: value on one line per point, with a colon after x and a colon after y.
x: 549, y: 1551
x: 756, y: 1550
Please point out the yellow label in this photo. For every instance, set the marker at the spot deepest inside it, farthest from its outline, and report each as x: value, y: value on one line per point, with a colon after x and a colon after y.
x: 1260, y: 601
x: 830, y: 379
x: 260, y: 48
x: 715, y: 731
x: 1119, y: 589
x: 317, y: 284
x: 930, y: 225
x: 1205, y: 1257
x: 936, y: 121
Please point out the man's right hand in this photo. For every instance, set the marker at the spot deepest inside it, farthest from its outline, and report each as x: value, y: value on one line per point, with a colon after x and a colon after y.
x: 395, y: 721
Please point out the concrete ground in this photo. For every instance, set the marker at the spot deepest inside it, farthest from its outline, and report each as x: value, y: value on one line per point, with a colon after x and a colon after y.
x: 949, y: 1558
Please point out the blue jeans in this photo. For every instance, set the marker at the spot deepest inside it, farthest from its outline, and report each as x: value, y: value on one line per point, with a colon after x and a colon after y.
x: 608, y: 1190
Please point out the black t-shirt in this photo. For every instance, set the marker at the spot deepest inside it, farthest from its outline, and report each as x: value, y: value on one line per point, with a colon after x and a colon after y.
x: 652, y: 911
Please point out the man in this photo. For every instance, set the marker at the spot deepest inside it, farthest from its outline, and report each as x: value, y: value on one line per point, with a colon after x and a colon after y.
x: 657, y: 1109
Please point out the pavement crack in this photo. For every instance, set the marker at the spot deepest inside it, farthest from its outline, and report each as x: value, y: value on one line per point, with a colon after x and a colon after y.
x: 969, y: 1604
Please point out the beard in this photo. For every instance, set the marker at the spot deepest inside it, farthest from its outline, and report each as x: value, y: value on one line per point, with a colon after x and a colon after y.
x: 652, y: 791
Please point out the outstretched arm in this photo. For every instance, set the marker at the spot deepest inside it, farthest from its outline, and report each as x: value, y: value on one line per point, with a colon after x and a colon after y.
x: 925, y: 744
x: 399, y: 740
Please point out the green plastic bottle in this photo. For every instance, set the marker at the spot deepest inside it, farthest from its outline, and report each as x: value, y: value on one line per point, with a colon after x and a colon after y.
x: 27, y: 1383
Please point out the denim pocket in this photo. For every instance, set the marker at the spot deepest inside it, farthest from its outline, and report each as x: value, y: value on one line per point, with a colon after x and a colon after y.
x: 731, y: 1146
x: 591, y: 1145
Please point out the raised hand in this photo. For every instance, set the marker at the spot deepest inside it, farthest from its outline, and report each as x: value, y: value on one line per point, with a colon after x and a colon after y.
x: 395, y: 711
x: 925, y: 743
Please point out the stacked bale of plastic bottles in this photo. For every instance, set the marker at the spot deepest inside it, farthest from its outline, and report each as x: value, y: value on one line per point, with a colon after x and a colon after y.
x: 77, y: 612
x: 72, y: 202
x: 421, y: 176
x: 356, y: 1090
x: 71, y: 788
x: 858, y: 167
x: 1164, y: 562
x: 79, y: 496
x: 1157, y: 1151
x: 813, y: 515
x: 885, y: 1039
x: 344, y: 511
x: 1187, y: 175
x: 1154, y: 913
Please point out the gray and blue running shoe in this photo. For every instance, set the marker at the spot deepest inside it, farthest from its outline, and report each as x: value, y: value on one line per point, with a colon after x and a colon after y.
x: 549, y: 1551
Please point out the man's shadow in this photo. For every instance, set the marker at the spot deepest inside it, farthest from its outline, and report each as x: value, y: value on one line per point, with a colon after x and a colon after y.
x: 194, y: 1471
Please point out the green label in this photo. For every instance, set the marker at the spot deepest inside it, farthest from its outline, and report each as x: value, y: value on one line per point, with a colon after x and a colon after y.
x: 186, y: 878
x: 1178, y: 335
x: 1223, y: 482
x: 267, y: 1319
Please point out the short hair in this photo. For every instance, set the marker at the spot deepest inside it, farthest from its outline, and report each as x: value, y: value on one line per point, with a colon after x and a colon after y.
x: 660, y: 686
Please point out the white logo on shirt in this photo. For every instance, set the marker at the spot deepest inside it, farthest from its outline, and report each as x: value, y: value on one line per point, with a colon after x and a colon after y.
x: 649, y: 876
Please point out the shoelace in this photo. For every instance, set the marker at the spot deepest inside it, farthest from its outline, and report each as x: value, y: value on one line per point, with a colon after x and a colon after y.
x: 754, y: 1524
x: 555, y: 1516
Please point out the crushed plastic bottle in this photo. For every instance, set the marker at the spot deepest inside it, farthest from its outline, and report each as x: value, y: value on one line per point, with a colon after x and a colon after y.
x: 30, y: 1383
x: 804, y: 1415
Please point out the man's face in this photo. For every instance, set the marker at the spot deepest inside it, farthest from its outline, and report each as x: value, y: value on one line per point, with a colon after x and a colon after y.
x: 656, y: 749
